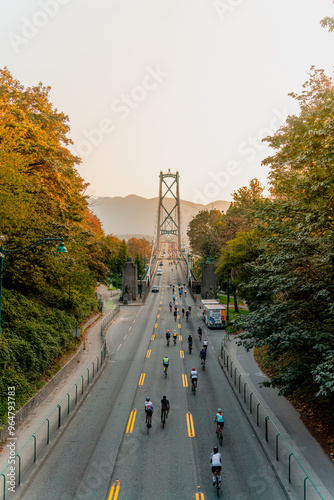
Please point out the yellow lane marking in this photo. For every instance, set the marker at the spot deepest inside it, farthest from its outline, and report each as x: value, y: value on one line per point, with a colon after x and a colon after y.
x: 141, y: 380
x: 156, y: 325
x: 114, y: 489
x: 180, y: 338
x: 158, y: 315
x: 190, y: 425
x: 159, y: 309
x: 148, y: 354
x: 199, y: 496
x: 184, y: 380
x: 181, y: 354
x: 153, y: 337
x: 178, y: 316
x: 131, y: 421
x: 179, y: 325
x: 160, y: 302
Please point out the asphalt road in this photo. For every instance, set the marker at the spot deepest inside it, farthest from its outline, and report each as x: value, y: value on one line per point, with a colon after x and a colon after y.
x: 106, y: 453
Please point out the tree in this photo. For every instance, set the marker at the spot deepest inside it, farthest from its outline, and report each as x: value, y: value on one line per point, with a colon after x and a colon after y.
x: 328, y: 22
x: 293, y: 276
x: 203, y: 230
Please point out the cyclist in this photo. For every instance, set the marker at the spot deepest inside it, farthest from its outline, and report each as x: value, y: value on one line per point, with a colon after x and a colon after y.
x: 170, y: 307
x: 202, y: 355
x: 216, y: 465
x: 187, y: 315
x: 190, y: 341
x: 165, y: 406
x: 173, y: 298
x: 168, y: 337
x: 199, y: 331
x: 205, y: 344
x: 189, y: 309
x: 219, y: 420
x: 180, y: 292
x: 165, y: 363
x: 194, y: 378
x: 185, y: 292
x: 174, y: 336
x: 175, y: 314
x: 149, y: 410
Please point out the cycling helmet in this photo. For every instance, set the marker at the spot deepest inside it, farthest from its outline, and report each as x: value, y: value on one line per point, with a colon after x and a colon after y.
x: 215, y: 450
x: 193, y: 369
x: 219, y: 410
x: 167, y: 331
x: 147, y: 399
x: 164, y: 397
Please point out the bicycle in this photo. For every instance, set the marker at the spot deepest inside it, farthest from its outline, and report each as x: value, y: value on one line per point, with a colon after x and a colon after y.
x: 193, y: 386
x: 220, y: 436
x: 168, y: 342
x: 217, y: 484
x: 174, y: 340
x: 148, y: 422
x: 203, y: 363
x: 166, y: 370
x: 190, y: 346
x: 164, y: 416
x: 200, y: 334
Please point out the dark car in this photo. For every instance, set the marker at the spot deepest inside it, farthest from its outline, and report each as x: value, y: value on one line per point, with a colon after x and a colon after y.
x: 155, y: 288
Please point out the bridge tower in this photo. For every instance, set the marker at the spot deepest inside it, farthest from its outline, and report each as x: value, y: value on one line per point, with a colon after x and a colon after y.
x: 169, y: 217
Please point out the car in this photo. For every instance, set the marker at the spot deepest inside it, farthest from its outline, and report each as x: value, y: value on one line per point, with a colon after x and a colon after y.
x: 161, y: 263
x: 155, y: 289
x: 159, y: 272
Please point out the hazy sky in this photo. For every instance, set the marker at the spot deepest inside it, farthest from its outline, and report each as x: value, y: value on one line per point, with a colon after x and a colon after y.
x: 148, y: 85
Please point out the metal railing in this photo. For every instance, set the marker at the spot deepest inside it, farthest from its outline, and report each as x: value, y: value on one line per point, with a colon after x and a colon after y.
x: 38, y: 444
x: 108, y: 319
x: 274, y: 442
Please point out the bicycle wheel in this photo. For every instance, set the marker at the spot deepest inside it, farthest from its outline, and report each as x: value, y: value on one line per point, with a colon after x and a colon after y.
x: 163, y: 419
x: 194, y: 389
x: 217, y: 484
x: 166, y: 372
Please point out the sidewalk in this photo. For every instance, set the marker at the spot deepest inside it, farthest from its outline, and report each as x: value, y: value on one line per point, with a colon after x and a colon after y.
x: 93, y: 346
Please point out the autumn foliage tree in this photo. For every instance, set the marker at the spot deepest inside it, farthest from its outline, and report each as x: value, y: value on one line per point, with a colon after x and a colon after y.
x: 42, y: 195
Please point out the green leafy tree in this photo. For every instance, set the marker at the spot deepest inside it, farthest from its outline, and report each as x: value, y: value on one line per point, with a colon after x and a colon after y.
x: 293, y: 276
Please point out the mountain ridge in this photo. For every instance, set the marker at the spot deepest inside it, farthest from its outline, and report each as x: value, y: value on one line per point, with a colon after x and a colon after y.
x: 134, y: 215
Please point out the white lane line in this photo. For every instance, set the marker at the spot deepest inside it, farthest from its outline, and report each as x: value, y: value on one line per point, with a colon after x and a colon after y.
x: 130, y: 327
x: 118, y: 348
x: 125, y: 336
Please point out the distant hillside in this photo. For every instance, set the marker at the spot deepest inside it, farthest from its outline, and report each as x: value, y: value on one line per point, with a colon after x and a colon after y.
x: 137, y: 216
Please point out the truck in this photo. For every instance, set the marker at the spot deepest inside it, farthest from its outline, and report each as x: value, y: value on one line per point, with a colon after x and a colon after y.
x: 214, y: 315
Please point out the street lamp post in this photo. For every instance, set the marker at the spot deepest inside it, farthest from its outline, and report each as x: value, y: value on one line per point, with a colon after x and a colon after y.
x: 17, y: 253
